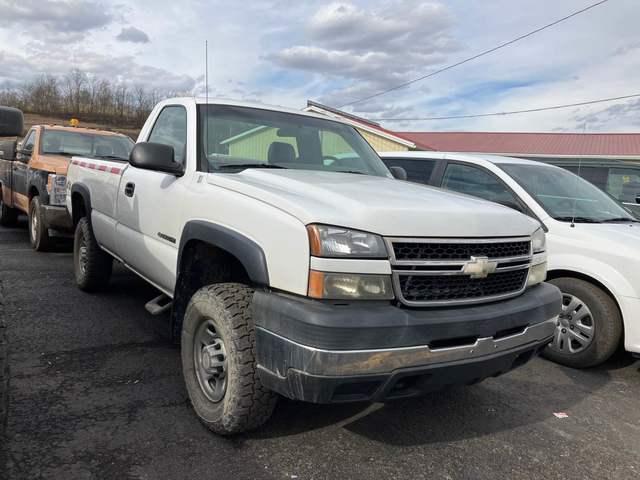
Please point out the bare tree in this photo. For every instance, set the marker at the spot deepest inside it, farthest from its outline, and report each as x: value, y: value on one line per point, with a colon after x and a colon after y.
x: 87, y: 96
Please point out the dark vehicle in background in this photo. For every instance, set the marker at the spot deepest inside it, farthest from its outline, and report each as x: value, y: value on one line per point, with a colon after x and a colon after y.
x: 33, y: 175
x: 619, y: 179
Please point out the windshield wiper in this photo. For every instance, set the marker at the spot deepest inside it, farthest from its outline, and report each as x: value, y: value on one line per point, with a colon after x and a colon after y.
x: 65, y: 154
x: 620, y: 219
x: 248, y: 165
x: 355, y: 172
x: 577, y: 219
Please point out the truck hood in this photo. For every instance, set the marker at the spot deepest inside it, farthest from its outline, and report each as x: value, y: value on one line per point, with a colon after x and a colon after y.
x: 376, y: 204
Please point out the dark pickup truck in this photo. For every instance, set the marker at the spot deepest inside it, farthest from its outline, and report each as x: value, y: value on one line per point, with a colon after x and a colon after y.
x: 33, y: 174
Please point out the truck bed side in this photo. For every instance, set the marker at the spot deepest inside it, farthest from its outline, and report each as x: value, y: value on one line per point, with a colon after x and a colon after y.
x: 100, y: 179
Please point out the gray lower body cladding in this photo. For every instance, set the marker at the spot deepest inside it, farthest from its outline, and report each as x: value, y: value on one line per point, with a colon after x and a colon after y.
x: 323, y: 353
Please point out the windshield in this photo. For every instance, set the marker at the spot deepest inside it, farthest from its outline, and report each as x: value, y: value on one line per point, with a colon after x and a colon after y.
x: 565, y: 196
x: 235, y: 138
x: 64, y: 142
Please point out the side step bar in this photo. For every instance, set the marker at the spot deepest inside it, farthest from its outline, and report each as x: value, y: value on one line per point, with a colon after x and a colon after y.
x: 159, y: 305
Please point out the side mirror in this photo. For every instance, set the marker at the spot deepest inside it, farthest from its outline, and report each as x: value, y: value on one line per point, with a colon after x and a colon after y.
x: 398, y: 173
x: 155, y: 156
x: 638, y: 198
x: 11, y: 122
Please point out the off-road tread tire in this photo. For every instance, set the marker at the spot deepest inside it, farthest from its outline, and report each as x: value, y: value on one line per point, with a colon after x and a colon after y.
x: 8, y: 215
x: 4, y: 372
x: 99, y: 263
x: 247, y: 404
x: 607, y: 319
x: 42, y: 242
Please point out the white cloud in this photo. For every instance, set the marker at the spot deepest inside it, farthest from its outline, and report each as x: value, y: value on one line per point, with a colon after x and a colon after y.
x: 284, y: 52
x: 57, y: 15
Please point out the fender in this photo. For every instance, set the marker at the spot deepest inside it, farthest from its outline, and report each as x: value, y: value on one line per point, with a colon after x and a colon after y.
x: 37, y: 179
x: 610, y: 277
x: 83, y: 191
x: 248, y: 252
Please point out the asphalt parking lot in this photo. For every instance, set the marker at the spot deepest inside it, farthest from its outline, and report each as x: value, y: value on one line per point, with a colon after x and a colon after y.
x: 97, y: 392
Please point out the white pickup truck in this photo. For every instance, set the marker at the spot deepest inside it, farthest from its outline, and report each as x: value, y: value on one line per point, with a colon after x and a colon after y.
x: 294, y: 263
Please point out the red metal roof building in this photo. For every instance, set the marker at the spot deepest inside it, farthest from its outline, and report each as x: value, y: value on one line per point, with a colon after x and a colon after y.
x: 624, y: 146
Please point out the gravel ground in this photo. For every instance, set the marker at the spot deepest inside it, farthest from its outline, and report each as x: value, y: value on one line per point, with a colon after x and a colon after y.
x: 97, y: 393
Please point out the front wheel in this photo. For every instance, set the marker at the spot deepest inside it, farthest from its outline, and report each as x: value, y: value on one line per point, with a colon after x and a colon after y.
x: 219, y: 363
x: 92, y: 266
x: 38, y: 229
x: 589, y: 327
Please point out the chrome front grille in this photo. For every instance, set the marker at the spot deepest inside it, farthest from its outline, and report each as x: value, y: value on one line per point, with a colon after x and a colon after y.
x: 440, y: 272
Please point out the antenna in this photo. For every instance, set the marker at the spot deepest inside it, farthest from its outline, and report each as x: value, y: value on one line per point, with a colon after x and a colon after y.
x: 575, y: 197
x: 206, y: 96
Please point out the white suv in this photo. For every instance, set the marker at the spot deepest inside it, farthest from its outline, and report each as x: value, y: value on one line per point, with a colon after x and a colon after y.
x: 593, y: 243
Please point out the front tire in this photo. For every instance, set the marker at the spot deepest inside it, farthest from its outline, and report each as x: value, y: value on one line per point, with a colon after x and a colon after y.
x: 92, y: 266
x: 38, y: 229
x: 589, y: 329
x: 219, y: 360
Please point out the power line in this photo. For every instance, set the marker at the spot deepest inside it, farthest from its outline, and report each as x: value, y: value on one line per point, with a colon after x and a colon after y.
x: 486, y: 52
x: 514, y: 112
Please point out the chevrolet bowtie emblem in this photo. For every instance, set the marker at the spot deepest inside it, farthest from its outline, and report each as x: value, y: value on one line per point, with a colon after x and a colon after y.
x: 479, y: 267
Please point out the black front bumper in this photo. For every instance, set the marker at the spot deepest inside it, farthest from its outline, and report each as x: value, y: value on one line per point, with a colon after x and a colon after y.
x: 57, y: 218
x: 329, y: 352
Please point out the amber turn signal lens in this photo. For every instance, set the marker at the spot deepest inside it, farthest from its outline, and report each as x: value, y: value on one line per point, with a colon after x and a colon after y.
x: 316, y: 284
x: 315, y: 244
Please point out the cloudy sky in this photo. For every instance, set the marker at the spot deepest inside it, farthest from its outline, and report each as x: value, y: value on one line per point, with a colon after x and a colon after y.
x: 287, y: 51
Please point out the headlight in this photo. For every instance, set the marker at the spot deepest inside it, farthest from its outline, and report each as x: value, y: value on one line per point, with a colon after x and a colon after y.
x: 349, y: 286
x: 537, y: 274
x: 539, y: 241
x: 57, y: 189
x: 326, y: 241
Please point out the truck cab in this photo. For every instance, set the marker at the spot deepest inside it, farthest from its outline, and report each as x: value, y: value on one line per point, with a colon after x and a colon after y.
x: 33, y: 177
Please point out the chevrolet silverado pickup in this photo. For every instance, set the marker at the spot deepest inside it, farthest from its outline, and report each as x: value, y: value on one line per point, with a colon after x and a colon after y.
x: 33, y: 175
x: 293, y: 263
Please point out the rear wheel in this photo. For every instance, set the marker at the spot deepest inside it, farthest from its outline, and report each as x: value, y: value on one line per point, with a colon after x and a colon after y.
x: 92, y: 266
x: 38, y: 229
x: 8, y: 215
x: 219, y: 360
x: 589, y: 328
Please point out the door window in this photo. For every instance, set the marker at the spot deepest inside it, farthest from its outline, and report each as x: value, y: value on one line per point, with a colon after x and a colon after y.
x: 479, y: 183
x: 27, y: 145
x: 171, y: 129
x: 417, y: 170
